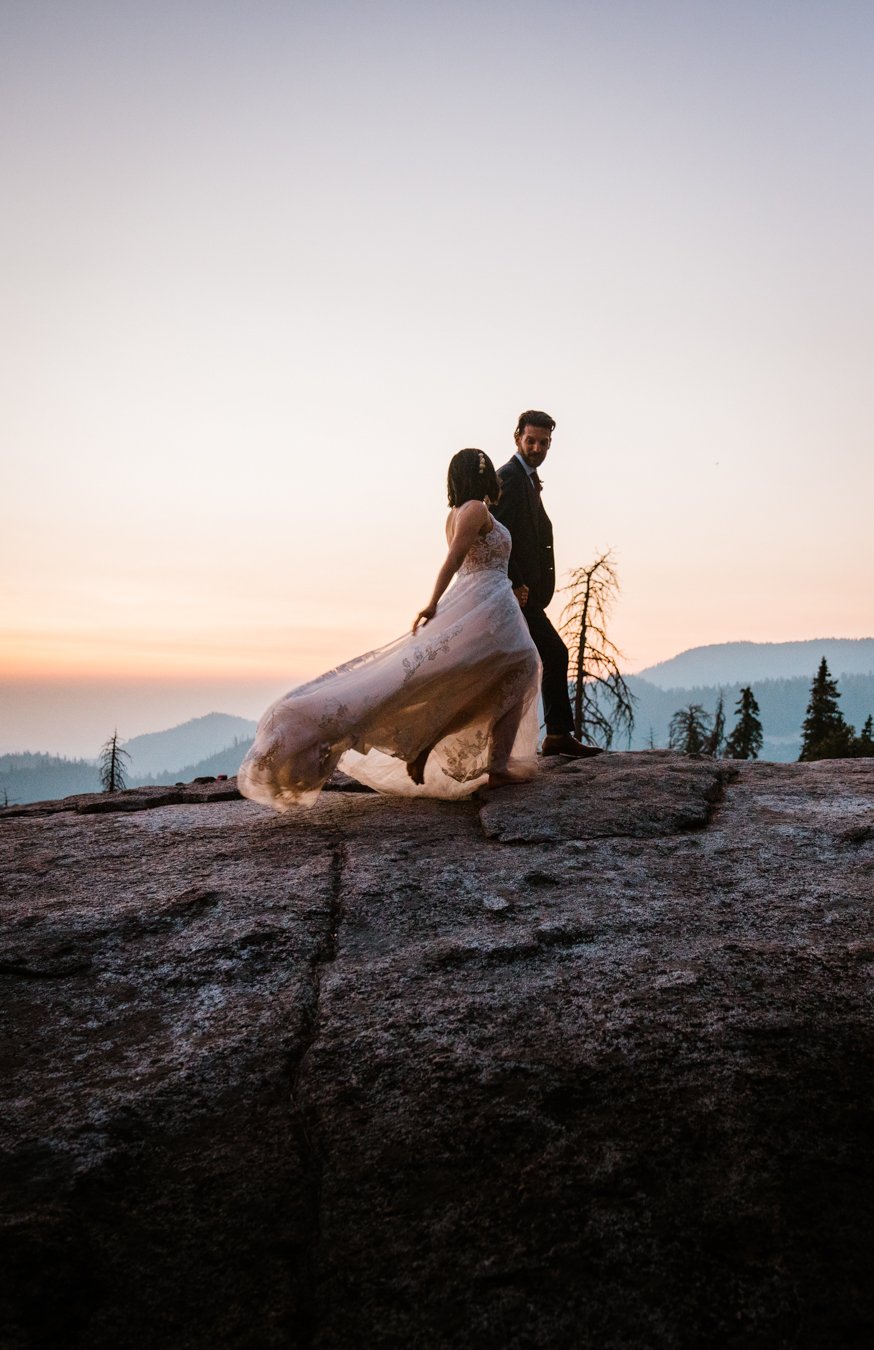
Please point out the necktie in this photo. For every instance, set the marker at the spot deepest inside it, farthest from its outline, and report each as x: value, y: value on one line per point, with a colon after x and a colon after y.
x: 535, y: 481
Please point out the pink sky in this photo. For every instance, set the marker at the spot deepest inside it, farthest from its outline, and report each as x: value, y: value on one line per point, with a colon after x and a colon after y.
x: 269, y: 267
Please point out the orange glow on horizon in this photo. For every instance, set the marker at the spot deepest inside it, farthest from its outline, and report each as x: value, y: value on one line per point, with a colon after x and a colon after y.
x: 91, y: 656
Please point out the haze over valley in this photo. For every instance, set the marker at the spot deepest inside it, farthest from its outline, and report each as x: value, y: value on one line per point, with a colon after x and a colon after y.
x: 780, y: 674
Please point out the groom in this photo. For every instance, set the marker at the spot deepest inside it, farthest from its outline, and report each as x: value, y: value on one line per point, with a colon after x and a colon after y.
x: 532, y: 573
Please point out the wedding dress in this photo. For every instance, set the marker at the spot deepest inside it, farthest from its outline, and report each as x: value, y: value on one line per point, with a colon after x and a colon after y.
x: 465, y: 684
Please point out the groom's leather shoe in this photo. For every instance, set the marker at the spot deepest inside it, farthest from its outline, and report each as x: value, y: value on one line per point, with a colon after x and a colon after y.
x: 566, y: 744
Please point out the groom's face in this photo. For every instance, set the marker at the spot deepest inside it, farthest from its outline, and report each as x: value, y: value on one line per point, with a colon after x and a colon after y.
x: 532, y: 444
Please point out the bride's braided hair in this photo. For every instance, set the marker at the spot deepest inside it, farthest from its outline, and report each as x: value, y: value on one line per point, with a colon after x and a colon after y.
x: 471, y: 478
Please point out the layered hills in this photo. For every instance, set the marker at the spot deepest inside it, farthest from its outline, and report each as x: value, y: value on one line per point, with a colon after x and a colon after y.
x: 780, y: 673
x: 212, y: 744
x: 739, y: 663
x: 188, y: 744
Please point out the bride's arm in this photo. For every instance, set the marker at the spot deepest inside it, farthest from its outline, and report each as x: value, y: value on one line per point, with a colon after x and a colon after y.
x: 469, y: 521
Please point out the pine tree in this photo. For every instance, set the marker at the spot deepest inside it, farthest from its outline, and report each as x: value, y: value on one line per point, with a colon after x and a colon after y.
x: 863, y: 745
x: 690, y: 730
x: 825, y: 734
x: 745, y: 740
x: 112, y: 769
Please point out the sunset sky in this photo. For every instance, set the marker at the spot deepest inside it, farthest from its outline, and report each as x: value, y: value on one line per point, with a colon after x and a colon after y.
x: 267, y: 265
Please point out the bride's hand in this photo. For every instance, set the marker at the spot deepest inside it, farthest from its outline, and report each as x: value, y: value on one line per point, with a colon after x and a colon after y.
x: 423, y: 616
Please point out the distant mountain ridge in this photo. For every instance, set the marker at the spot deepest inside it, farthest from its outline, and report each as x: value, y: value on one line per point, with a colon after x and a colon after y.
x: 225, y: 761
x: 36, y: 778
x: 212, y: 744
x: 779, y: 672
x: 164, y: 752
x: 744, y: 662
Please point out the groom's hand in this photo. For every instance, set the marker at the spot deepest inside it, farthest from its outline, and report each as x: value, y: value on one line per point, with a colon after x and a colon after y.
x: 521, y: 594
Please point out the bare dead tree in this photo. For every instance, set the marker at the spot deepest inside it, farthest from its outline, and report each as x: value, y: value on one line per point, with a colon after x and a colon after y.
x: 716, y: 738
x: 603, y: 703
x: 112, y: 767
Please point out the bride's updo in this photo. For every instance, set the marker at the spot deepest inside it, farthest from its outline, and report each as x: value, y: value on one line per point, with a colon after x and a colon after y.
x: 471, y: 478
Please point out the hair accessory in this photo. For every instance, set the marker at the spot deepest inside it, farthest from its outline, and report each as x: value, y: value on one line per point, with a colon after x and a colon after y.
x: 482, y: 462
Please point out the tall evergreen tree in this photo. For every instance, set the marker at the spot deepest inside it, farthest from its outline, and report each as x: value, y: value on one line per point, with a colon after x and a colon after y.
x: 112, y: 766
x: 690, y: 730
x: 825, y: 734
x: 745, y: 740
x: 863, y: 745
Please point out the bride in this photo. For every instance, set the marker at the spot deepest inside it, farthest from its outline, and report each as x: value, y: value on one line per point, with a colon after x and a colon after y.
x: 449, y: 708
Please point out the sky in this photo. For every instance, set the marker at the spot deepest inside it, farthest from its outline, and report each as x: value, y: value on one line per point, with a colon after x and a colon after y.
x: 268, y: 265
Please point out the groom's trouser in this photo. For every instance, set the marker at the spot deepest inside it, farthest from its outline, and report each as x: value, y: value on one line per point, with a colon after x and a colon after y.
x: 557, y: 712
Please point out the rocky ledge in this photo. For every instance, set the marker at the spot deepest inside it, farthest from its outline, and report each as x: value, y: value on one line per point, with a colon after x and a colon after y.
x: 585, y: 1064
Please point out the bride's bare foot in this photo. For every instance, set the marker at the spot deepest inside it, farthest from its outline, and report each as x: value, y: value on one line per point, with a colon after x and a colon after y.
x: 508, y: 778
x: 416, y: 767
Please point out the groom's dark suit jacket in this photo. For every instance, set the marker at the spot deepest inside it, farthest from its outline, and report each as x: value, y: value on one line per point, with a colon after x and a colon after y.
x: 520, y: 508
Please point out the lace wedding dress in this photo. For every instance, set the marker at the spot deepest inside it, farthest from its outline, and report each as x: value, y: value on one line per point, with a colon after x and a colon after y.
x: 466, y: 684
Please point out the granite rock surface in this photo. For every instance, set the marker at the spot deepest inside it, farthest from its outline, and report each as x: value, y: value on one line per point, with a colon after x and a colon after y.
x: 583, y: 1063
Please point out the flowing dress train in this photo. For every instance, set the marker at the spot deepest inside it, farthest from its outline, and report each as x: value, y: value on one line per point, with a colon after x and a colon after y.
x: 466, y: 684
